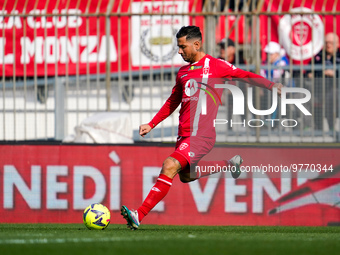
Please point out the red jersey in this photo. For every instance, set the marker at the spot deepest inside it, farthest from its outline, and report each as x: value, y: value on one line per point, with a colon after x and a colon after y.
x: 195, y: 91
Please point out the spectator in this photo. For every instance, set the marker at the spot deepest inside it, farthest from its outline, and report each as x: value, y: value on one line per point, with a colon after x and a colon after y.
x: 229, y: 54
x: 275, y: 56
x: 331, y: 50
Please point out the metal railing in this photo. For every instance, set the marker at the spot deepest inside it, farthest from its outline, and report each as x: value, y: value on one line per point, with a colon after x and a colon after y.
x: 62, y: 62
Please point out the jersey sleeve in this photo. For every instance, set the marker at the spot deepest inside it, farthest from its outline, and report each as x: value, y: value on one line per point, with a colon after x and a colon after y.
x: 227, y: 70
x: 169, y: 106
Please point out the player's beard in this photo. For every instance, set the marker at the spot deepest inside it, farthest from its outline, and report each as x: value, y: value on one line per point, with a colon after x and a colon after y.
x: 187, y: 58
x: 184, y: 58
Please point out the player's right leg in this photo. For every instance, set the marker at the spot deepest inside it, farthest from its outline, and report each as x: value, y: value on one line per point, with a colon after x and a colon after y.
x: 193, y: 149
x: 190, y: 175
x: 186, y: 176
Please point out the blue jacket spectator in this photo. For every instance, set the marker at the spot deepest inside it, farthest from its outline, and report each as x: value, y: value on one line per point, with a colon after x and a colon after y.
x: 276, y: 56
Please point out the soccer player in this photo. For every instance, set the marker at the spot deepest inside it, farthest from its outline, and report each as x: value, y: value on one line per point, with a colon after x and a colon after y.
x: 196, y: 134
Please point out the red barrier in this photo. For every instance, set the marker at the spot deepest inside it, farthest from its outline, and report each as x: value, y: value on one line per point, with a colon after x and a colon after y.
x: 74, y: 42
x: 48, y: 183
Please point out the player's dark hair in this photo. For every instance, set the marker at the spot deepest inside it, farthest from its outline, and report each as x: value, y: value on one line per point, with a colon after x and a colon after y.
x: 191, y: 32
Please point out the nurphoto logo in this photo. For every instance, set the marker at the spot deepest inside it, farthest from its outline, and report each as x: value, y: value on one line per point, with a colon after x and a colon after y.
x: 289, y: 96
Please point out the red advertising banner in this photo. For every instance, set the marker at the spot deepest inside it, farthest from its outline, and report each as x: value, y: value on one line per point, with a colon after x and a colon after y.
x: 63, y: 38
x: 302, y: 36
x: 54, y: 184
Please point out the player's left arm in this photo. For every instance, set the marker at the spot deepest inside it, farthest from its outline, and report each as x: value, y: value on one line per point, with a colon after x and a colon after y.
x: 253, y: 79
x: 227, y: 70
x: 279, y: 87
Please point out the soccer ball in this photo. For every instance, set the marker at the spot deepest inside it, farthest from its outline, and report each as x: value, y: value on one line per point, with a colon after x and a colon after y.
x: 96, y: 216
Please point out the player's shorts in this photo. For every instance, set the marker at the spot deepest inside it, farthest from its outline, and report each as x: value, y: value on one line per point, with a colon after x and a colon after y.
x: 190, y: 149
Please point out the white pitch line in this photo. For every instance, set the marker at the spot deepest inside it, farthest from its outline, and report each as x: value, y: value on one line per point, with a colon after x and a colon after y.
x: 73, y: 240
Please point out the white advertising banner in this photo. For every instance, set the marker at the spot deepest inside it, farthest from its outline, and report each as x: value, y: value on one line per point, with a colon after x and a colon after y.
x: 154, y: 36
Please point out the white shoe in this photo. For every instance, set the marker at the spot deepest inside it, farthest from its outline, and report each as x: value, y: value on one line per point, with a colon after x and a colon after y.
x: 236, y: 161
x: 131, y: 216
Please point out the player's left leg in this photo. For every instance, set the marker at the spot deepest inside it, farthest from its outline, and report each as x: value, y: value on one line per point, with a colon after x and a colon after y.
x: 171, y: 166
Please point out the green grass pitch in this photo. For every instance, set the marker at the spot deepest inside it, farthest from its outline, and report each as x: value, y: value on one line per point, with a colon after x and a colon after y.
x: 64, y: 239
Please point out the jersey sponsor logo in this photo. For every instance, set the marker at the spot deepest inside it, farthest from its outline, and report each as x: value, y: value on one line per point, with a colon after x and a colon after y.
x: 183, y: 146
x: 190, y: 87
x: 195, y: 67
x: 191, y: 154
x: 302, y: 35
x: 184, y: 75
x: 187, y: 99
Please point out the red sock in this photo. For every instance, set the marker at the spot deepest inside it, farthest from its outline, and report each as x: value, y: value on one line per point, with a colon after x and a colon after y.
x: 205, y: 168
x: 156, y: 194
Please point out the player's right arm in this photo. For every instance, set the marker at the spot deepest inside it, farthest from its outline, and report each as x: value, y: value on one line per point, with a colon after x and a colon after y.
x: 167, y: 109
x: 144, y: 129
